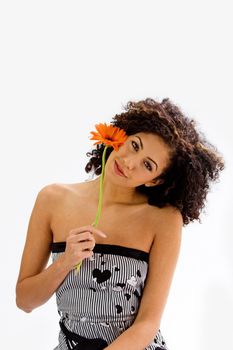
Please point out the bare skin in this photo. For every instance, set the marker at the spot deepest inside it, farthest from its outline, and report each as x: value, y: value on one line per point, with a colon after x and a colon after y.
x: 129, y: 226
x: 126, y: 217
x: 65, y: 212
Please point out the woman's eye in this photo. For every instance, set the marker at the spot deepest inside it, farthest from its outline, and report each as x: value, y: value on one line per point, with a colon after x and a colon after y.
x: 135, y: 143
x: 148, y: 166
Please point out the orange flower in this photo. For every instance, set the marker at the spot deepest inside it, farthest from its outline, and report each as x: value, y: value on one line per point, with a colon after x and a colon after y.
x: 109, y: 135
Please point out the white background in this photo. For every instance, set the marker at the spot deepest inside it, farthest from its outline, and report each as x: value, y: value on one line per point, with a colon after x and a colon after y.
x: 66, y: 65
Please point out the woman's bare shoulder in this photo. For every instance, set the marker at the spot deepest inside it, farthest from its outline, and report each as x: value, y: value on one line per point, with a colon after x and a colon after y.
x: 164, y: 212
x: 166, y: 218
x: 62, y: 197
x: 57, y: 190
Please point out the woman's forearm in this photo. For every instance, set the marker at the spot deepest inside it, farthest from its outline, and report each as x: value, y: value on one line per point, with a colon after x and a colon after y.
x: 36, y: 290
x: 136, y: 337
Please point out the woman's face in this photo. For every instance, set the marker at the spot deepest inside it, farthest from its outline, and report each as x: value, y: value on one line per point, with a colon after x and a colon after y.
x: 142, y: 157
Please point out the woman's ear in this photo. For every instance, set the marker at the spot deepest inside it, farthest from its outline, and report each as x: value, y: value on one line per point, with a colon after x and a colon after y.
x: 160, y: 181
x: 154, y: 183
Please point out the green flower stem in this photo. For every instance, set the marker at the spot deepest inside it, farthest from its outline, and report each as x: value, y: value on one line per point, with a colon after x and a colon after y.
x: 95, y: 223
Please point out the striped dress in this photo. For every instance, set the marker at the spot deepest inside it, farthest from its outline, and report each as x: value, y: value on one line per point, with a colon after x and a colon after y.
x: 101, y: 301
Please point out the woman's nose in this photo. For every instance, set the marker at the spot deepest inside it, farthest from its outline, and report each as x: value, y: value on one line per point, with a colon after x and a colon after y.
x: 129, y: 163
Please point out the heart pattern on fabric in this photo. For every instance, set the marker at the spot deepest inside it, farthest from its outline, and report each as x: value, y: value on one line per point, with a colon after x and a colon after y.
x: 101, y: 276
x: 119, y: 308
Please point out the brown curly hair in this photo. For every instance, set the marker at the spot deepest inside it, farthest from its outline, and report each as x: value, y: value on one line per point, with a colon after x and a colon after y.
x: 194, y: 161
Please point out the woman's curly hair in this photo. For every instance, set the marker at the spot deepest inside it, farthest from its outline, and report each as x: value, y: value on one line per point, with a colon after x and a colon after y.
x: 194, y: 161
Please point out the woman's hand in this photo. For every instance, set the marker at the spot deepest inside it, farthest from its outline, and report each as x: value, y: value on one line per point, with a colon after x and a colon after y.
x: 79, y: 245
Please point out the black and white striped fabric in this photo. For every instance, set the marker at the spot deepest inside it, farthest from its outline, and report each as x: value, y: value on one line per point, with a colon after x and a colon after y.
x: 101, y: 300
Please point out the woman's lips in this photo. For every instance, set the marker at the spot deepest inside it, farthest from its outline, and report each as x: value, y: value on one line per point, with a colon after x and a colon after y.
x: 117, y: 170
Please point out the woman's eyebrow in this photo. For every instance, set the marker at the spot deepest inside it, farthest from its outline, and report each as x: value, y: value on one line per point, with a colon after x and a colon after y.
x: 141, y: 144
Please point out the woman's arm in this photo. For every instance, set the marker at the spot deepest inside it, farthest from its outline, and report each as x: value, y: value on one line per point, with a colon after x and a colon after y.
x: 136, y: 337
x: 34, y: 291
x: 36, y: 284
x: 163, y: 258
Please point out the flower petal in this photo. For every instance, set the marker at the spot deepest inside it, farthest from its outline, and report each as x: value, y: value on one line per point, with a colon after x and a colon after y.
x: 109, y: 135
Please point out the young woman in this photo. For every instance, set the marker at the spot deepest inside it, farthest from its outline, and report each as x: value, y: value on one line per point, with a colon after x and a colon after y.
x: 155, y: 184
